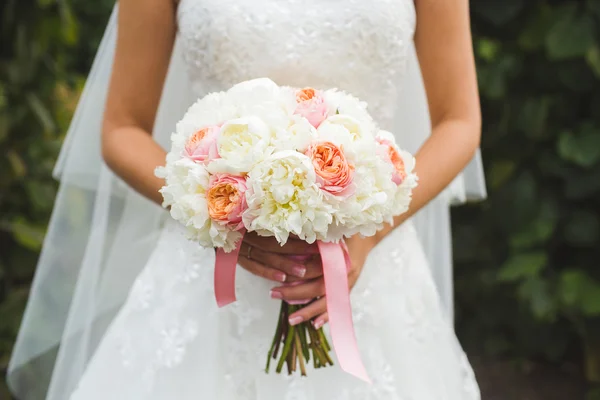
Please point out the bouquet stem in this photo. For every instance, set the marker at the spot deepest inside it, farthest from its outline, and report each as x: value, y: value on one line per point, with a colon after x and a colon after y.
x: 297, y: 343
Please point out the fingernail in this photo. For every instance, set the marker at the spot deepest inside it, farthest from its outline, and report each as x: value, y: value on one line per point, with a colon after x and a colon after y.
x: 280, y: 276
x: 295, y: 320
x: 276, y: 295
x: 299, y: 271
x: 319, y: 324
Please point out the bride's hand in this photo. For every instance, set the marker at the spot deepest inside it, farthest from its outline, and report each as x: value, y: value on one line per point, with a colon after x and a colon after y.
x: 358, y: 249
x: 264, y: 257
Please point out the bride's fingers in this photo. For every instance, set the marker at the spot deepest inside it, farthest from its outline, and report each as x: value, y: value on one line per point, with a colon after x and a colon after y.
x: 293, y: 268
x: 309, y: 290
x: 321, y: 320
x: 258, y: 269
x: 293, y: 246
x: 317, y: 309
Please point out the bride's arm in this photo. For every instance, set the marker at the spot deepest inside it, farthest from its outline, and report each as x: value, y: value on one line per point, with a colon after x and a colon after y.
x: 146, y: 33
x: 444, y: 47
x: 443, y: 41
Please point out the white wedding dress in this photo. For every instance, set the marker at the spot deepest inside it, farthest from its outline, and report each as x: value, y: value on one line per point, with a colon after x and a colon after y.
x: 170, y: 341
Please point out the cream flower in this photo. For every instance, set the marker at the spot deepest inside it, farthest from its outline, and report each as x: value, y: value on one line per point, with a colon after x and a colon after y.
x: 241, y: 143
x: 283, y: 198
x: 297, y: 136
x: 357, y: 130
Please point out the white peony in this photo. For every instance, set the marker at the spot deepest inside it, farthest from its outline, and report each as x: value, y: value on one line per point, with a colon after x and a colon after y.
x: 297, y: 136
x: 341, y: 103
x: 357, y: 130
x: 242, y: 142
x: 283, y: 198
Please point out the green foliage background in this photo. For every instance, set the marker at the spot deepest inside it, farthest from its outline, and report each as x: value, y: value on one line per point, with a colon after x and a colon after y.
x: 527, y: 284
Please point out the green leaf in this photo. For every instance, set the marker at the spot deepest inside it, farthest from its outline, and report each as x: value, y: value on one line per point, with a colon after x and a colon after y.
x: 535, y: 31
x: 580, y: 185
x: 571, y: 36
x: 570, y: 284
x: 594, y: 7
x: 27, y: 234
x: 498, y: 12
x: 592, y: 57
x: 69, y: 27
x: 16, y: 162
x: 43, y: 115
x: 582, y: 149
x: 500, y: 172
x: 583, y: 228
x: 537, y: 292
x: 533, y: 116
x: 577, y: 290
x: 493, y: 78
x: 520, y: 266
x: 487, y: 49
x: 539, y: 230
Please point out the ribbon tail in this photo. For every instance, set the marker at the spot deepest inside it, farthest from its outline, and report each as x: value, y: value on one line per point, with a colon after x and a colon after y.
x: 225, y: 265
x: 336, y: 263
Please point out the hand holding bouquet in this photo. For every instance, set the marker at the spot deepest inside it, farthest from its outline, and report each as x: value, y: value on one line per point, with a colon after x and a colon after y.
x: 282, y: 161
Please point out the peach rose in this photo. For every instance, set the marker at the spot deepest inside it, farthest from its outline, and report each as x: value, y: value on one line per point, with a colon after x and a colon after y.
x: 334, y: 173
x: 226, y: 198
x: 390, y: 154
x: 202, y: 145
x: 311, y: 105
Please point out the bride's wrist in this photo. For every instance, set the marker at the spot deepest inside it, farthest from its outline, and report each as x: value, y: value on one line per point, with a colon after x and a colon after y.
x: 378, y: 237
x: 360, y: 246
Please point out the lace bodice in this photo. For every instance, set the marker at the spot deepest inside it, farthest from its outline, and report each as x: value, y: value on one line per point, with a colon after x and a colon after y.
x: 355, y: 45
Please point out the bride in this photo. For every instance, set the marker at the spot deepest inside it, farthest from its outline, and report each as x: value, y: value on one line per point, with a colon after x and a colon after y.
x: 122, y: 305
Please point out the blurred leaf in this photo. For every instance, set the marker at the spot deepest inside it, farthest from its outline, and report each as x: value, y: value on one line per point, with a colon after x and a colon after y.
x: 525, y: 265
x: 539, y: 230
x: 534, y: 33
x: 498, y: 12
x: 578, y: 290
x: 582, y: 149
x: 487, y: 49
x: 26, y: 234
x: 537, y: 292
x: 500, y: 172
x: 594, y: 7
x: 493, y: 78
x: 41, y: 195
x: 41, y: 112
x: 533, y: 116
x: 570, y: 285
x: 16, y: 162
x: 592, y: 58
x: 583, y: 228
x: 70, y: 29
x: 576, y: 76
x: 45, y: 3
x: 572, y: 35
x: 583, y: 184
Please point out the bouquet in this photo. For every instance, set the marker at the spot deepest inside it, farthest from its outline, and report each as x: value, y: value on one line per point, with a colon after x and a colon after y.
x: 283, y: 161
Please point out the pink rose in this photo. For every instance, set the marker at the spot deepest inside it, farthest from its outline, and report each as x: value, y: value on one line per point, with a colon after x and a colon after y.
x: 202, y: 145
x: 334, y: 173
x: 226, y: 198
x: 311, y: 105
x: 390, y: 153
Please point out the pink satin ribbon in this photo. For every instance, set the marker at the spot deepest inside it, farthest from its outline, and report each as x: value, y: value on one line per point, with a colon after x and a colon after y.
x: 336, y: 263
x: 225, y: 264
